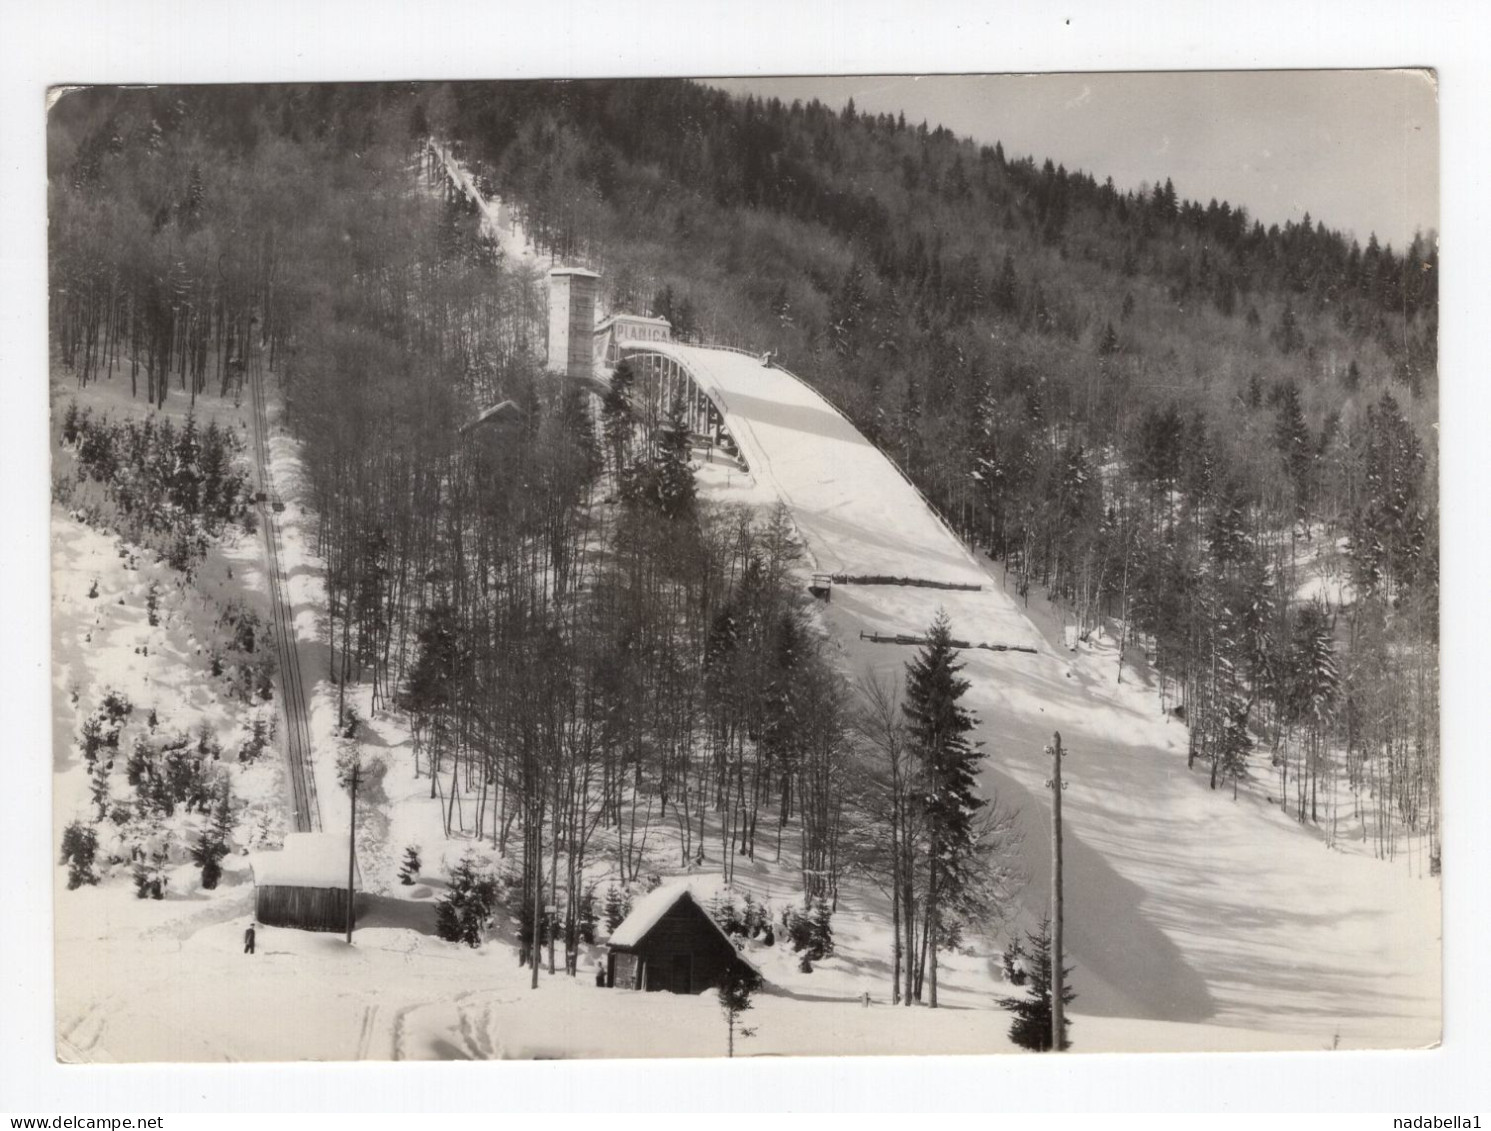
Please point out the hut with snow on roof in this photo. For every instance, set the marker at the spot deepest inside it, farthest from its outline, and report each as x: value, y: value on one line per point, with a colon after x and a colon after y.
x: 669, y: 942
x: 304, y: 884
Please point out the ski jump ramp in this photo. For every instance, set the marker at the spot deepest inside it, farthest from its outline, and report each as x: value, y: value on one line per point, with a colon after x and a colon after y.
x: 856, y: 512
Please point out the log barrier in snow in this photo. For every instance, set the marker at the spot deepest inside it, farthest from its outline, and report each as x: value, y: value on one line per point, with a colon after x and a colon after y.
x: 902, y: 638
x: 885, y: 579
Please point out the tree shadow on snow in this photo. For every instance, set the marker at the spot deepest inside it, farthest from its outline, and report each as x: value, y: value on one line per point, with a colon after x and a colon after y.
x: 1124, y: 965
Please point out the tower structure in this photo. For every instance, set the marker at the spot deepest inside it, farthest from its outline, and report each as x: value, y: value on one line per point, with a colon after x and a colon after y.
x: 572, y: 293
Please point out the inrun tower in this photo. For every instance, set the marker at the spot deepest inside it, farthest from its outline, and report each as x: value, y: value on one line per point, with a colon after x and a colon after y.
x: 572, y: 321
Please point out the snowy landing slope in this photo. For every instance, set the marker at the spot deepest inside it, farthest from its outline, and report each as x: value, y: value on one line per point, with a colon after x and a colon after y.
x: 1184, y: 905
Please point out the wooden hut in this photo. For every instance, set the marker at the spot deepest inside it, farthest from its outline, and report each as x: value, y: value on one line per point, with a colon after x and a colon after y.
x: 669, y: 942
x: 304, y: 885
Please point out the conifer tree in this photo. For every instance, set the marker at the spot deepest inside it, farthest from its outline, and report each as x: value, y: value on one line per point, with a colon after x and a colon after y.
x: 1016, y: 965
x: 215, y: 471
x: 723, y: 911
x: 938, y: 727
x: 734, y: 995
x: 1031, y: 1027
x: 186, y: 474
x: 79, y: 846
x: 1314, y: 678
x: 616, y: 414
x: 1292, y: 437
x: 615, y: 907
x: 751, y: 916
x: 222, y: 811
x: 139, y: 763
x: 1389, y: 530
x: 674, y: 479
x: 823, y: 931
x: 207, y: 854
x: 1233, y: 744
x: 98, y: 774
x: 462, y: 914
x: 212, y: 843
x: 799, y: 929
x: 409, y: 869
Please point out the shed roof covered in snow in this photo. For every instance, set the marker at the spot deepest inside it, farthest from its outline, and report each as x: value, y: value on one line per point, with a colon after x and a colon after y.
x: 648, y: 911
x: 308, y: 860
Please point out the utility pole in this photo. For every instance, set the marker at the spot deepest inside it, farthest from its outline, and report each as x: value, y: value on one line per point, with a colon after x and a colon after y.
x: 1058, y: 1021
x: 352, y: 784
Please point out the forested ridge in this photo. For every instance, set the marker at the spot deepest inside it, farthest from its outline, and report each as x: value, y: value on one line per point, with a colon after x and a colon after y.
x: 1154, y: 410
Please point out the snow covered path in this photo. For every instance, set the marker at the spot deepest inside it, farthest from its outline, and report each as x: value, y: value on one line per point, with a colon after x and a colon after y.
x: 497, y: 217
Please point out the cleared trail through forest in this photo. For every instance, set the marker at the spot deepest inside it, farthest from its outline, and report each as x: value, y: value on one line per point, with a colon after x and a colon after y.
x: 292, y: 686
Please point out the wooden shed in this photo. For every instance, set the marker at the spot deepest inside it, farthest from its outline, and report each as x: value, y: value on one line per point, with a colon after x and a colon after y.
x: 669, y: 942
x: 304, y: 885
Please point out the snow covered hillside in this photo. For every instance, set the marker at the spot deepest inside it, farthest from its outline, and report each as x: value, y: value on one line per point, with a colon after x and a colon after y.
x: 147, y: 979
x: 1183, y: 905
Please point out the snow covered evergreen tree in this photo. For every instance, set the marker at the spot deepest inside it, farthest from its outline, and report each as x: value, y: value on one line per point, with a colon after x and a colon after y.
x: 1016, y: 963
x: 823, y: 931
x: 1234, y: 743
x: 938, y: 727
x: 461, y: 916
x: 752, y: 916
x: 98, y: 775
x: 723, y: 911
x: 800, y: 933
x: 1390, y: 537
x: 213, y: 842
x: 1314, y: 676
x: 90, y: 736
x: 207, y: 854
x: 79, y: 847
x: 617, y: 907
x: 661, y: 480
x: 616, y: 414
x: 734, y: 994
x: 1031, y: 1027
x: 409, y: 869
x: 152, y: 856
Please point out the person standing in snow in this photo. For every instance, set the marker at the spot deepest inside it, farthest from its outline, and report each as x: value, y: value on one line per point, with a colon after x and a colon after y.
x: 248, y: 940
